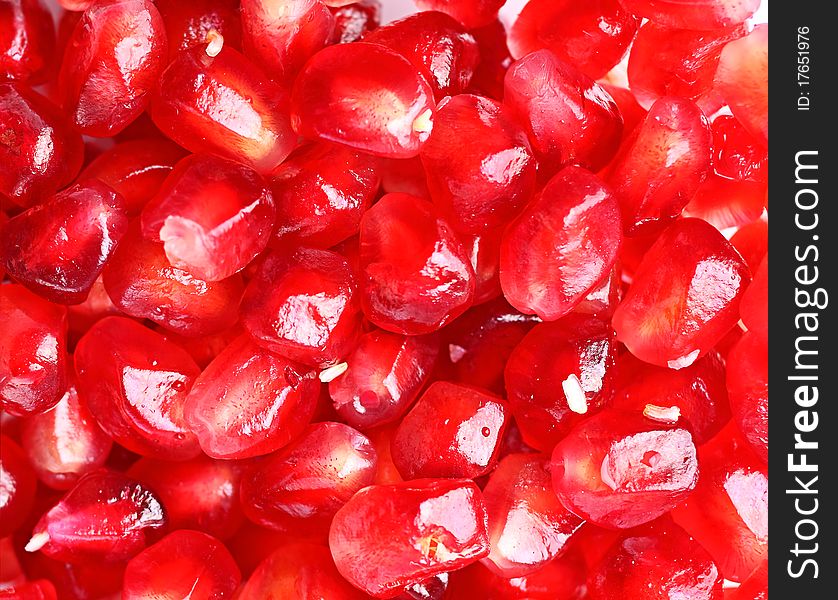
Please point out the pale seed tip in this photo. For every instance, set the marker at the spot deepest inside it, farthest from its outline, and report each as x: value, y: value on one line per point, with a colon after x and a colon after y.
x: 38, y: 541
x: 215, y: 42
x: 423, y: 123
x: 575, y: 395
x: 331, y: 373
x: 663, y: 414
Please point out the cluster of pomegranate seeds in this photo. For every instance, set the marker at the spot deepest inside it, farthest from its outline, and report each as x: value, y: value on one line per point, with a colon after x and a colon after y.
x: 302, y: 302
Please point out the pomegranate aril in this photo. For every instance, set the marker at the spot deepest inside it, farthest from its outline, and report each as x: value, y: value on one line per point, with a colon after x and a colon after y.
x: 135, y: 383
x: 416, y: 275
x: 17, y: 486
x: 189, y: 23
x: 389, y: 537
x: 142, y: 283
x: 494, y: 59
x: 58, y: 248
x: 184, y: 564
x: 353, y: 21
x: 105, y: 517
x: 632, y: 113
x: 452, y: 431
x: 212, y: 99
x: 484, y: 252
x: 321, y: 192
x: 747, y: 384
x: 77, y: 581
x: 38, y: 150
x: 365, y: 96
x: 96, y: 306
x: 541, y: 271
x: 39, y: 589
x: 684, y: 297
x: 661, y: 166
x: 755, y: 587
x: 528, y: 526
x: 33, y: 352
x: 751, y: 241
x: 249, y: 402
x: 693, y: 14
x: 754, y: 307
x: 737, y: 154
x: 621, y: 470
x: 104, y: 85
x: 27, y: 40
x: 604, y: 297
x: 471, y: 13
x: 656, y: 561
x: 75, y: 5
x: 741, y: 77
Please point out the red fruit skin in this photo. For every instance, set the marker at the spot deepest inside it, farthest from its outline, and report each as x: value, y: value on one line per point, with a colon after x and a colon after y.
x: 364, y: 96
x: 321, y: 192
x: 593, y: 36
x: 384, y: 375
x: 494, y: 60
x: 576, y: 354
x: 561, y: 578
x: 102, y: 85
x: 105, y: 517
x: 751, y: 241
x: 187, y: 564
x: 65, y: 442
x: 300, y: 488
x: 281, y: 36
x: 213, y: 216
x: 619, y: 470
x: 741, y: 77
x: 660, y: 167
x: 142, y: 284
x: 27, y: 41
x: 569, y: 118
x: 443, y: 51
x: 59, y: 248
x: 698, y: 391
x: 540, y: 269
x: 200, y: 493
x: 135, y: 382
x: 389, y: 537
x: 754, y: 306
x: 453, y: 431
x: 304, y: 305
x: 656, y: 561
x: 249, y: 402
x: 33, y: 352
x: 40, y: 589
x: 486, y: 185
x: 747, y: 384
x: 693, y: 14
x: 17, y: 486
x: 471, y: 13
x: 354, y: 21
x: 755, y: 587
x: 528, y: 526
x: 225, y: 105
x: 135, y: 169
x: 304, y: 570
x: 187, y: 24
x: 685, y: 296
x: 727, y: 513
x: 39, y: 151
x: 415, y: 273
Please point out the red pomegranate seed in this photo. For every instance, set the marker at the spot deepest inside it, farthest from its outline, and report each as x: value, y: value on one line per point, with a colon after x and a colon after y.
x: 620, y: 470
x: 321, y: 192
x: 528, y: 526
x: 135, y: 383
x: 94, y: 579
x: 135, y: 169
x: 212, y: 99
x: 75, y: 5
x: 693, y: 14
x: 383, y: 377
x: 249, y: 402
x: 486, y: 185
x: 727, y: 513
x: 184, y: 564
x: 443, y: 51
x: 494, y: 59
x: 755, y: 587
x: 453, y: 431
x: 747, y: 384
x: 471, y: 13
x: 656, y: 561
x: 112, y: 61
x: 59, y: 248
x: 40, y: 589
x: 142, y: 283
x: 569, y: 118
x: 592, y: 543
x: 738, y: 155
x: 415, y: 530
x: 754, y: 307
x: 27, y: 40
x: 17, y: 486
x: 33, y: 352
x: 685, y: 296
x: 38, y: 150
x: 695, y: 394
x: 660, y: 167
x: 365, y: 96
x: 632, y: 113
x: 300, y: 488
x: 484, y: 252
x: 557, y: 372
x: 540, y: 268
x: 416, y: 275
x: 741, y: 77
x: 751, y: 241
x: 353, y: 21
x: 65, y: 442
x: 105, y: 517
x: 604, y: 297
x: 200, y: 493
x: 593, y: 36
x: 189, y: 23
x: 11, y: 572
